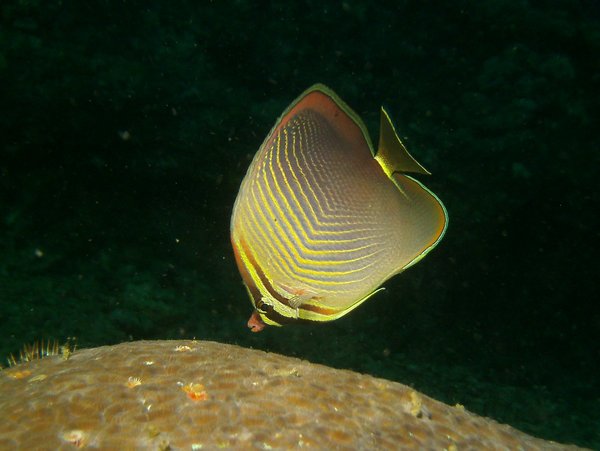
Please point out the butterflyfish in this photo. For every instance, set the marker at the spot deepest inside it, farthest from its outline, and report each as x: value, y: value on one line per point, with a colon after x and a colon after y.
x: 321, y: 221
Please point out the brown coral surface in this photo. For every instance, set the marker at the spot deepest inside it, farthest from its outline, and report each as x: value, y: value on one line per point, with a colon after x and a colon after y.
x: 205, y: 395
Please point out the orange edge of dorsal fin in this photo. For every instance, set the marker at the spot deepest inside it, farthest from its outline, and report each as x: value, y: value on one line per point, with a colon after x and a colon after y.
x: 392, y: 155
x: 313, y: 97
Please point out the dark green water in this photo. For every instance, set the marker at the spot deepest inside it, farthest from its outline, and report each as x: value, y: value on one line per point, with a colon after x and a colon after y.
x: 127, y: 126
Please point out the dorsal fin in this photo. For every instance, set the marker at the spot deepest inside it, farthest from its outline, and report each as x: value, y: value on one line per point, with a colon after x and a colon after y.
x: 391, y: 154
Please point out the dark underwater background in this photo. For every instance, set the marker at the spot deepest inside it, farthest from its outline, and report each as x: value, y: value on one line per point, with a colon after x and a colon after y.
x: 126, y: 128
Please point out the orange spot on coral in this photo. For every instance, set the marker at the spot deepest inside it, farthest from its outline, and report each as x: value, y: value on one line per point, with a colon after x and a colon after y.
x: 19, y: 374
x: 195, y: 392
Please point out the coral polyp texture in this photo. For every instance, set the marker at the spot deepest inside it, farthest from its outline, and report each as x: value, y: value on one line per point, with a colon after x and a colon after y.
x: 171, y: 395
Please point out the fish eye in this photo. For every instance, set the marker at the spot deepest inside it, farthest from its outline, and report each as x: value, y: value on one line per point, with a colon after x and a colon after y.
x: 265, y: 308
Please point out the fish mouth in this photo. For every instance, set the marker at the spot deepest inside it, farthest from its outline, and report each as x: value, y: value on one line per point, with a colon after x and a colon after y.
x: 255, y: 323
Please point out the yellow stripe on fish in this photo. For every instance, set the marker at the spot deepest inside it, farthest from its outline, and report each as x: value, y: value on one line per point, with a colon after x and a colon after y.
x: 321, y: 221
